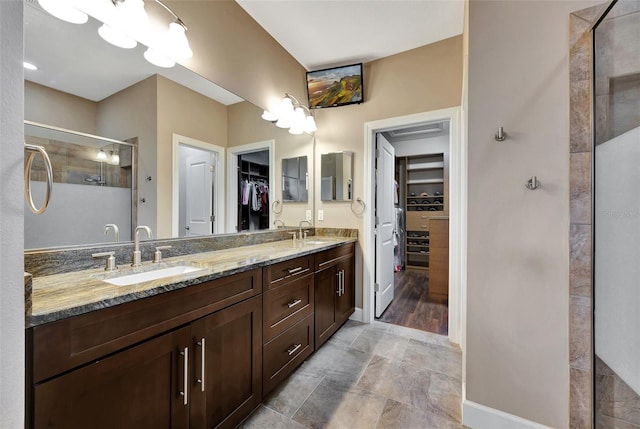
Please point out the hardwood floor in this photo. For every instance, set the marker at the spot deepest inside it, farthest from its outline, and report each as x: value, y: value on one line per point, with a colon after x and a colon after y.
x: 413, y: 307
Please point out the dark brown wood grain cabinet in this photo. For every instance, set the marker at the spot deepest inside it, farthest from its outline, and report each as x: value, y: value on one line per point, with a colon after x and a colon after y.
x: 334, y: 290
x: 199, y: 364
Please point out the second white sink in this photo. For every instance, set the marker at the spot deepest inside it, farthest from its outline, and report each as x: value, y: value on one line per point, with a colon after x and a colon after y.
x: 146, y: 276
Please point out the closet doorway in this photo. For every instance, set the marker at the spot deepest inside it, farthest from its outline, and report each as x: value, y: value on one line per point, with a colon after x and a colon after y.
x: 249, y: 181
x: 428, y: 232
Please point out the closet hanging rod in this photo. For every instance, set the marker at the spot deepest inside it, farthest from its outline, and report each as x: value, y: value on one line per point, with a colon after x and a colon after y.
x: 33, y: 150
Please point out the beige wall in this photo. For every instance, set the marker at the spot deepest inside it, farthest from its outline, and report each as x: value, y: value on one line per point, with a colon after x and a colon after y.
x: 518, y: 249
x: 232, y: 50
x: 420, y: 80
x: 129, y: 113
x: 51, y: 107
x: 12, y: 292
x: 190, y: 114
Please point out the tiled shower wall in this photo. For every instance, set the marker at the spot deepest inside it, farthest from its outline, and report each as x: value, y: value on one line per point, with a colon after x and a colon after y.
x: 617, y: 406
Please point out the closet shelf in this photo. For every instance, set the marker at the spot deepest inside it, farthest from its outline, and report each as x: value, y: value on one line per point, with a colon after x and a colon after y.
x: 424, y: 181
x: 425, y: 166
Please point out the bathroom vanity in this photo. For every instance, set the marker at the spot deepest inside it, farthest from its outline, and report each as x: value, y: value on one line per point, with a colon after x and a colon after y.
x: 197, y: 350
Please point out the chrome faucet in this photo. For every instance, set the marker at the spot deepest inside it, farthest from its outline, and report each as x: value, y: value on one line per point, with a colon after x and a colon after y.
x: 276, y: 221
x: 114, y: 227
x: 136, y: 245
x: 300, y: 228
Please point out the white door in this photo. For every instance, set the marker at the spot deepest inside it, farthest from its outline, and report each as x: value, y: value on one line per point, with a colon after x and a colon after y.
x: 385, y: 221
x: 199, y: 194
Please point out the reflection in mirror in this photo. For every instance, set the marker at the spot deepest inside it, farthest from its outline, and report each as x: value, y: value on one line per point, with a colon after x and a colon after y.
x: 295, y: 179
x: 336, y: 181
x: 94, y: 182
x: 92, y: 87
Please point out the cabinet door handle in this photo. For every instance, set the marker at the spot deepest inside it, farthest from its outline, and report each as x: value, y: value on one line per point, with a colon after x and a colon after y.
x: 294, y: 349
x: 294, y: 303
x: 185, y: 376
x: 201, y: 343
x: 294, y: 270
x: 342, y: 281
x: 339, y: 288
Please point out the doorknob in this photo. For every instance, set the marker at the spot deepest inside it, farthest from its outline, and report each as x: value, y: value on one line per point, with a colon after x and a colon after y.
x: 187, y: 228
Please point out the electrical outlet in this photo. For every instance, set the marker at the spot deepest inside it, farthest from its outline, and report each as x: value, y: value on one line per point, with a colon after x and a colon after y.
x: 320, y: 214
x: 308, y: 214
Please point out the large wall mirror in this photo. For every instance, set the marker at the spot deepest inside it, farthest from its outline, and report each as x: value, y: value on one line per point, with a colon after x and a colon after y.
x: 85, y: 85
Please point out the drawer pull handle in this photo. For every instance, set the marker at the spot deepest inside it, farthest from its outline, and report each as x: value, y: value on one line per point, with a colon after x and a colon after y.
x: 423, y: 226
x: 294, y: 303
x: 294, y: 349
x: 294, y: 270
x: 424, y: 217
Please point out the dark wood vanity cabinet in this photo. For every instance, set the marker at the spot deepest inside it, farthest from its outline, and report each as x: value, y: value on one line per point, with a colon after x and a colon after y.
x: 334, y: 290
x: 200, y: 368
x: 288, y: 333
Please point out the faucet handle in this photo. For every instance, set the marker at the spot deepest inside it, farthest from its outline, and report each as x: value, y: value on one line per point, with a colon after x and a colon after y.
x: 293, y: 235
x: 111, y: 260
x: 157, y: 257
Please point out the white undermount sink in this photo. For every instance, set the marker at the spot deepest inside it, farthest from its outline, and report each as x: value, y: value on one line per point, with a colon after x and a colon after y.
x: 130, y: 279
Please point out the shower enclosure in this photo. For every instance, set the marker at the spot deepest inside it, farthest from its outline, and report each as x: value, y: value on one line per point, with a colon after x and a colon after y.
x: 616, y: 38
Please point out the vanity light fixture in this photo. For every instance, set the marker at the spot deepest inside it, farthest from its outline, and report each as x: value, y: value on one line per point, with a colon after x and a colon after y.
x: 126, y: 23
x: 29, y: 66
x: 101, y: 155
x: 114, y: 158
x: 292, y: 114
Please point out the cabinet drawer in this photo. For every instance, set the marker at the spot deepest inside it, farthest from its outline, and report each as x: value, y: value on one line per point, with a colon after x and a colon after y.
x: 278, y: 274
x: 68, y: 343
x: 439, y: 226
x: 286, y: 305
x: 417, y: 221
x: 284, y: 353
x: 332, y: 256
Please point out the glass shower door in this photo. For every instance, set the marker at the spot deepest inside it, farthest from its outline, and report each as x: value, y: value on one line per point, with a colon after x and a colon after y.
x: 617, y: 217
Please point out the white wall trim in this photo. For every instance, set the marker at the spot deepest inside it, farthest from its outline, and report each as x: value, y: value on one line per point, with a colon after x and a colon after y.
x: 457, y: 218
x: 219, y: 192
x: 478, y: 416
x: 232, y: 183
x: 357, y: 315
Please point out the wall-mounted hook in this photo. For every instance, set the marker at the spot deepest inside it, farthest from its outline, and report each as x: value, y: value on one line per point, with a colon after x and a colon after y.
x: 148, y: 178
x: 500, y: 135
x: 532, y: 183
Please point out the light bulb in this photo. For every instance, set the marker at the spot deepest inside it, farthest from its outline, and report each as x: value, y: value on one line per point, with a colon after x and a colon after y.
x: 101, y: 155
x: 285, y: 109
x: 299, y: 118
x: 64, y: 10
x: 115, y: 158
x: 268, y: 116
x: 296, y: 130
x: 158, y: 59
x: 116, y: 37
x: 177, y: 43
x: 283, y: 123
x: 310, y: 125
x: 132, y: 14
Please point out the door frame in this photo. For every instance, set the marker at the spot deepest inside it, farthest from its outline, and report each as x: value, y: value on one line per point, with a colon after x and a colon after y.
x: 218, y: 183
x: 457, y: 214
x: 232, y: 182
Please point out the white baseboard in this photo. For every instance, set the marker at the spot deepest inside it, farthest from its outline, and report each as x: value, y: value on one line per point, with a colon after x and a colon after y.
x: 357, y: 315
x: 478, y: 416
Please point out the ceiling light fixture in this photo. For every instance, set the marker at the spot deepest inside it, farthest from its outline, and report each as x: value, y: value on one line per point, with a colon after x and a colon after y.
x: 65, y: 10
x: 126, y: 23
x: 292, y: 114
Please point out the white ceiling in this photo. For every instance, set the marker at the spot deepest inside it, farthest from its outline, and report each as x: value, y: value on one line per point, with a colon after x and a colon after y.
x: 328, y: 33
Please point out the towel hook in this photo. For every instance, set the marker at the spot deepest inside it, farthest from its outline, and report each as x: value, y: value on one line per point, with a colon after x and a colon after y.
x: 275, y: 204
x: 532, y: 184
x: 500, y: 135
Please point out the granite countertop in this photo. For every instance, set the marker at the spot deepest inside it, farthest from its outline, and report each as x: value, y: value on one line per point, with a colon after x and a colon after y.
x: 59, y: 296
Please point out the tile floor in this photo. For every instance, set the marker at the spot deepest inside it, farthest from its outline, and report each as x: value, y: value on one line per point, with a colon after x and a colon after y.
x: 370, y: 376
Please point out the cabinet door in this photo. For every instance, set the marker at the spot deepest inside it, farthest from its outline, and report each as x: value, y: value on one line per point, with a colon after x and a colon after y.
x: 346, y: 301
x: 325, y: 294
x: 227, y: 372
x: 141, y: 387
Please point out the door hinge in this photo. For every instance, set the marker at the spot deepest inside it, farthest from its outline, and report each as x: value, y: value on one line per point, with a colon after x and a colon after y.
x: 377, y: 220
x: 376, y: 287
x: 212, y: 168
x: 377, y: 153
x: 213, y: 218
